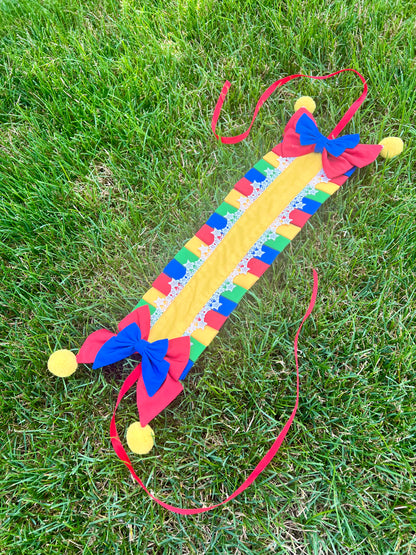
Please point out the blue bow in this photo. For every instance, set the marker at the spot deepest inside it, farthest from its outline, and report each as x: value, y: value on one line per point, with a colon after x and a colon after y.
x: 128, y: 341
x: 310, y: 135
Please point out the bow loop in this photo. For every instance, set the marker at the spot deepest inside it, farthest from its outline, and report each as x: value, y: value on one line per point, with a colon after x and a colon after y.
x: 118, y: 347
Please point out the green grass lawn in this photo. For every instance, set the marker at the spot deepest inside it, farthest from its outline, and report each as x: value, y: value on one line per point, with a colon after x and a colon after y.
x: 107, y: 166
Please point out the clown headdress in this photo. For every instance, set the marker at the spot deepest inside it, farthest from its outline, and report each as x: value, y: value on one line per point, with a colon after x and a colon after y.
x: 201, y: 286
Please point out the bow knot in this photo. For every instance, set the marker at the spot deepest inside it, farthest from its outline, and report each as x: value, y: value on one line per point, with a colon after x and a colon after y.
x: 129, y: 341
x: 155, y: 350
x: 321, y: 143
x: 141, y: 346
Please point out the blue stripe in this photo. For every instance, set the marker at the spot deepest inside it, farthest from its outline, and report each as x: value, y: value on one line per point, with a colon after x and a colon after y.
x: 254, y: 175
x: 175, y: 269
x: 217, y: 221
x: 226, y: 306
x: 310, y: 206
x: 186, y: 370
x: 351, y: 171
x: 268, y: 255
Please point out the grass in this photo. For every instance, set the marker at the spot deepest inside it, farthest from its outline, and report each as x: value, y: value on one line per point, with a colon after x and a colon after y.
x: 107, y: 165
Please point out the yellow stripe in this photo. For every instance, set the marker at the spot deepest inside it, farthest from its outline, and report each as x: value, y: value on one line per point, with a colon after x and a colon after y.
x: 272, y: 159
x: 194, y: 245
x: 245, y: 280
x: 205, y: 336
x: 288, y: 230
x: 329, y: 188
x: 233, y: 198
x: 234, y: 246
x: 152, y: 295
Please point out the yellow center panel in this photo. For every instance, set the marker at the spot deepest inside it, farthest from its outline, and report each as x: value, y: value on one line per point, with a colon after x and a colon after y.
x: 234, y: 246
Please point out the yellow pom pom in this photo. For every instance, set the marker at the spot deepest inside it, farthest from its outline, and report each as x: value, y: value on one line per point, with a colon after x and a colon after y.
x: 392, y: 146
x: 305, y: 102
x: 140, y: 439
x: 62, y: 363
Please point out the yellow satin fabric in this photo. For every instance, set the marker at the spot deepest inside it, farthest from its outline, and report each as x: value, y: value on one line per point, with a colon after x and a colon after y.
x: 234, y: 246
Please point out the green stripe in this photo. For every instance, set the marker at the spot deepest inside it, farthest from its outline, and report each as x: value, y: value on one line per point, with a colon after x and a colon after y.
x: 225, y: 208
x: 196, y: 349
x: 319, y: 196
x: 184, y: 256
x: 236, y: 294
x: 142, y: 303
x: 262, y: 166
x: 278, y: 244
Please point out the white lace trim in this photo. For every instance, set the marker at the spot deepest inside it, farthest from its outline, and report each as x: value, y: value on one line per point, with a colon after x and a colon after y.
x: 162, y: 303
x: 256, y: 250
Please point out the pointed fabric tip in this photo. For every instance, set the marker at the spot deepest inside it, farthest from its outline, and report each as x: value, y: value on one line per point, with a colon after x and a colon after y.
x: 149, y: 407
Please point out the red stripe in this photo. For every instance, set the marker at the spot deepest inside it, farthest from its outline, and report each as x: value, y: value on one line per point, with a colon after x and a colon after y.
x: 205, y: 234
x: 298, y: 217
x: 162, y: 284
x: 214, y: 319
x: 257, y: 267
x: 244, y: 186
